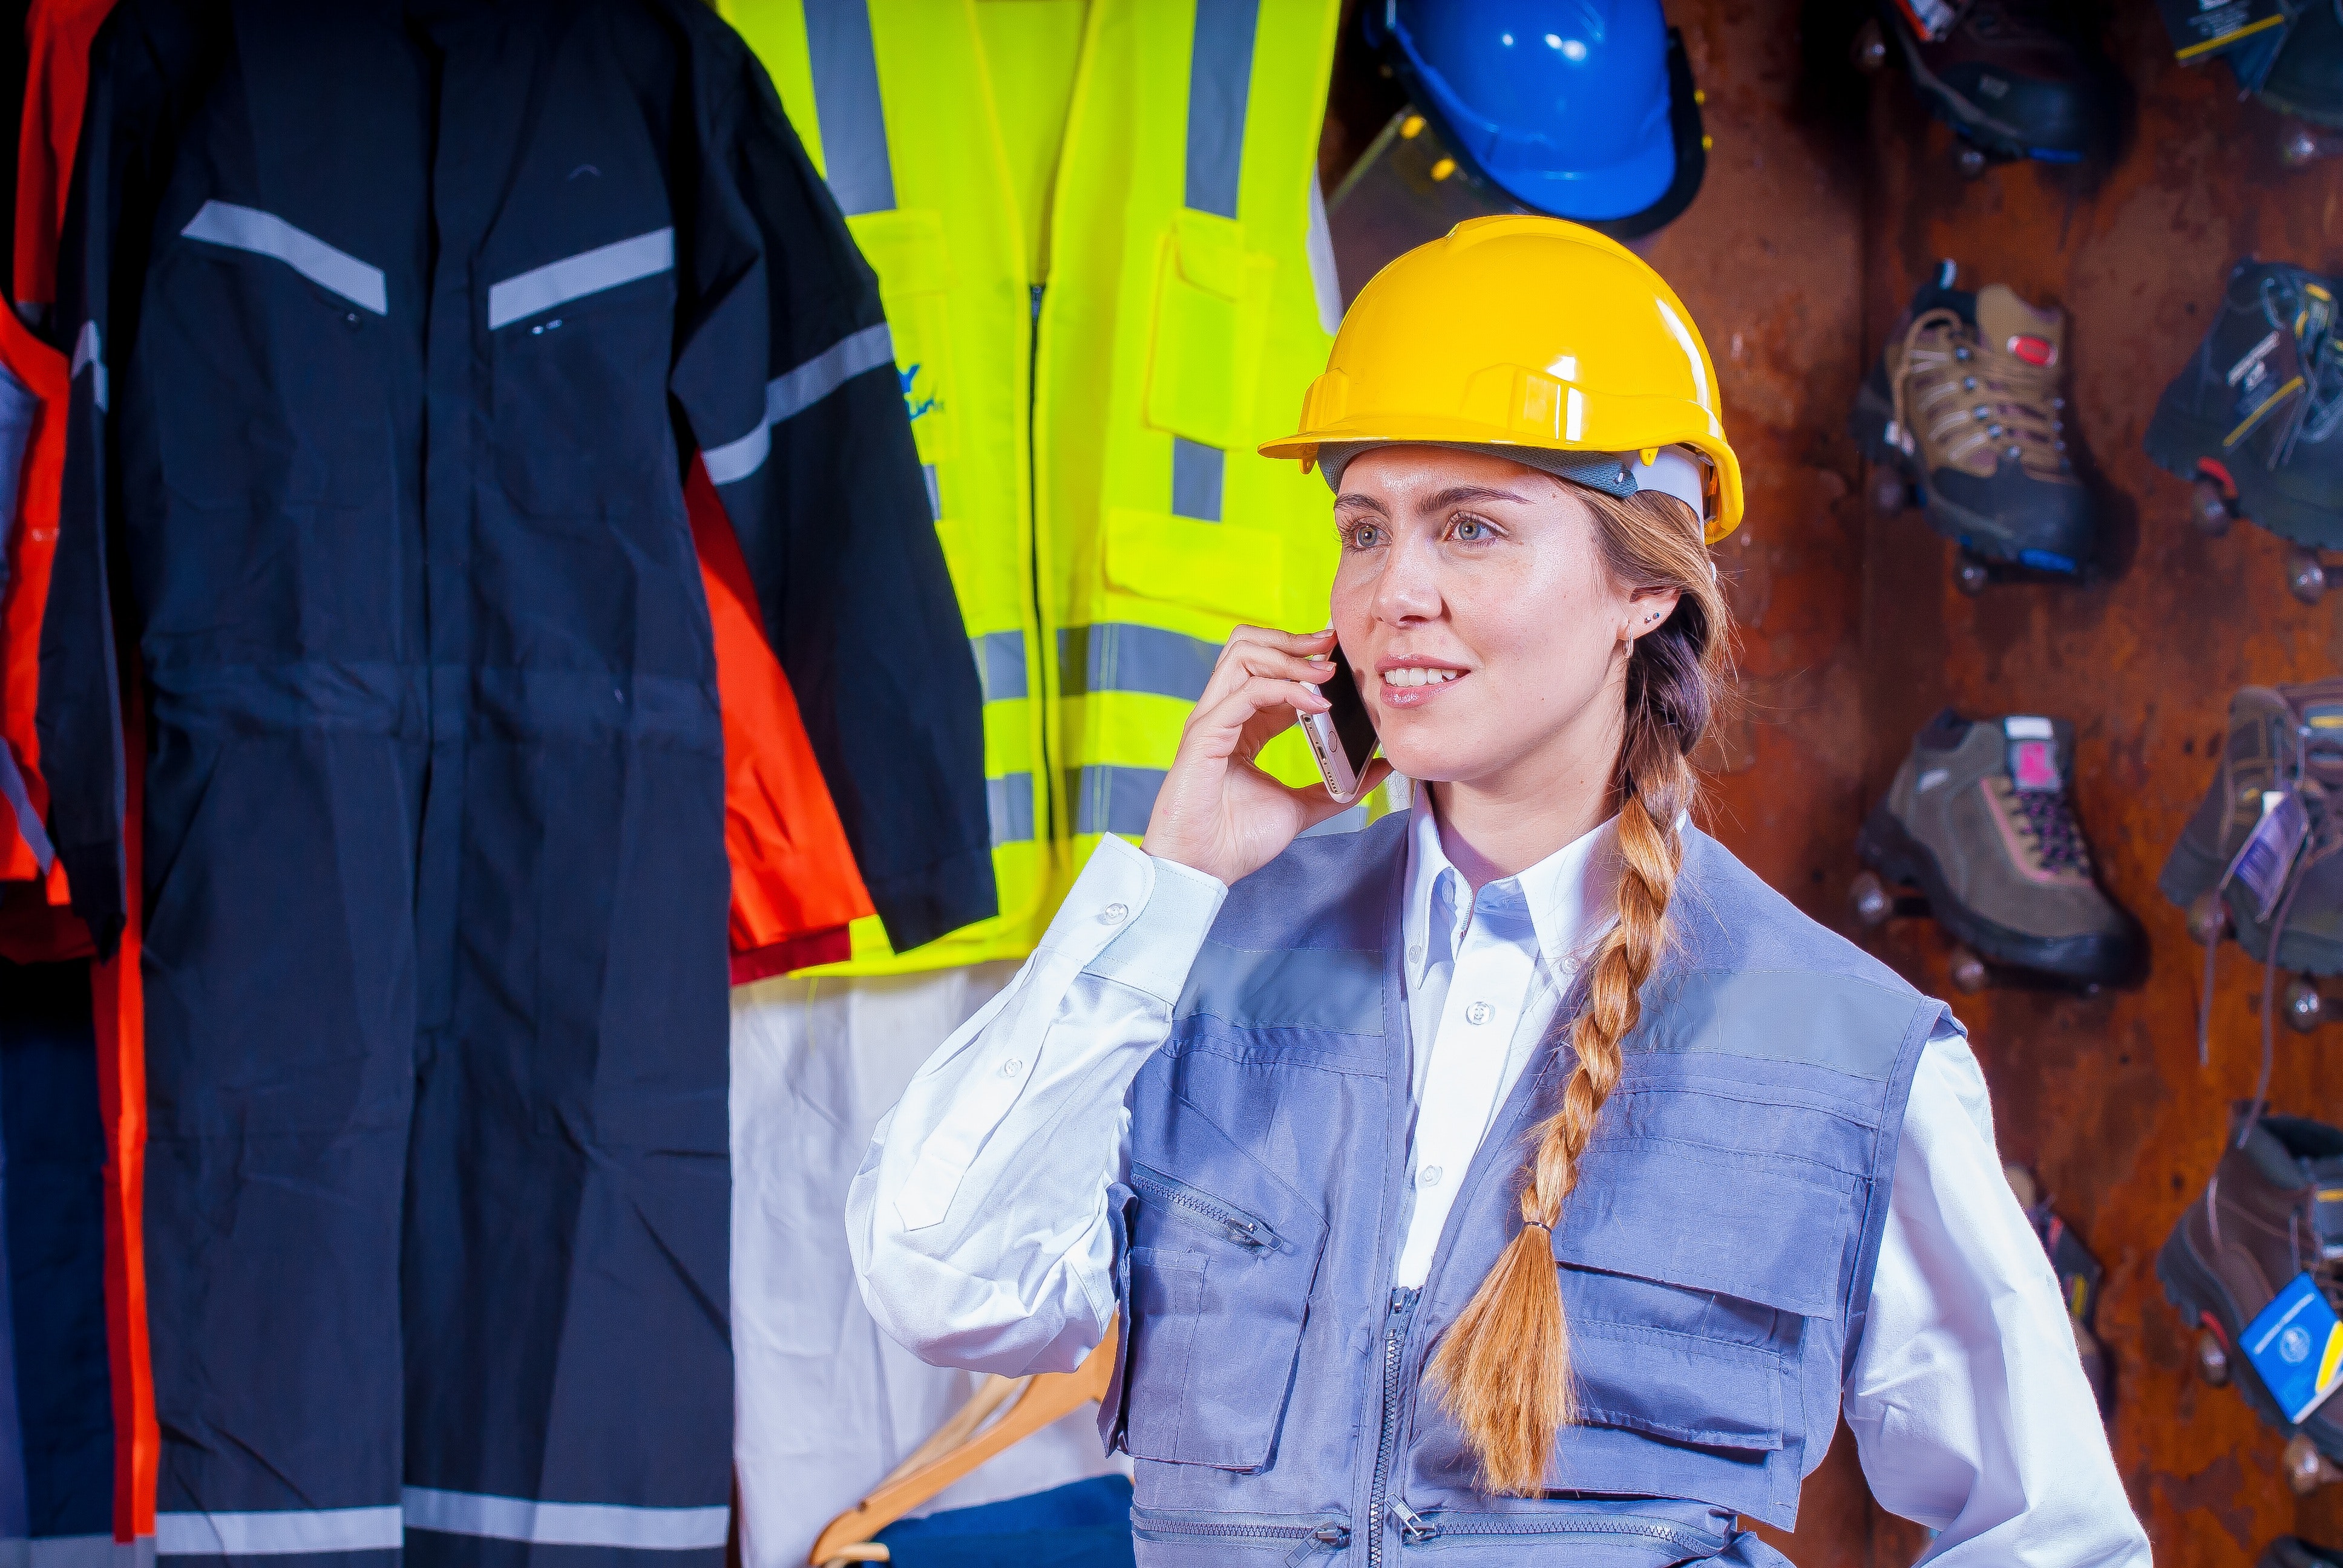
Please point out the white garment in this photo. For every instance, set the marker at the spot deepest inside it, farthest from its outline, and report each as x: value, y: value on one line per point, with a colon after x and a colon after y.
x: 825, y: 1404
x: 979, y: 1229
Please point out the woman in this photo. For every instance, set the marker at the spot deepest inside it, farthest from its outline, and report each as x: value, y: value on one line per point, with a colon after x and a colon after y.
x: 1519, y: 1175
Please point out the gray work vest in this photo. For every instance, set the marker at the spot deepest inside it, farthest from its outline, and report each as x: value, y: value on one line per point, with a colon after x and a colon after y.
x: 1716, y: 1258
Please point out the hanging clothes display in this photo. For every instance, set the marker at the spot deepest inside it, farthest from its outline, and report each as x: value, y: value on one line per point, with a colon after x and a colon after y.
x: 1092, y: 230
x: 393, y: 329
x: 815, y: 1064
x: 52, y: 1192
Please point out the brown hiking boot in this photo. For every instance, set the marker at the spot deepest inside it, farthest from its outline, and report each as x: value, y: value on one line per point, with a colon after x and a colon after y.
x: 2277, y: 734
x: 2273, y: 1209
x: 1979, y: 819
x: 1969, y: 404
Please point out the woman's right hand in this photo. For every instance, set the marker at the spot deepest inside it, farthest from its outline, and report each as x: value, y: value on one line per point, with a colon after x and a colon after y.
x: 1218, y: 812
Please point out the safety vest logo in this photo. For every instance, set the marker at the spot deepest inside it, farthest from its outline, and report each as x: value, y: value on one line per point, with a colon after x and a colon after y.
x: 913, y: 401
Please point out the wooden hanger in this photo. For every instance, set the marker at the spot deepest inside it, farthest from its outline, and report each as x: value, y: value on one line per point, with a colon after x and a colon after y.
x: 958, y: 1447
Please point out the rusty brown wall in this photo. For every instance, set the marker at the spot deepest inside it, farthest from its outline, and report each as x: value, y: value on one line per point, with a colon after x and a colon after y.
x: 2103, y: 1096
x: 1828, y: 196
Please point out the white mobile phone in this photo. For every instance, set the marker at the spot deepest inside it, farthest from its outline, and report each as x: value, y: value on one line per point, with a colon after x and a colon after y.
x: 1342, y: 737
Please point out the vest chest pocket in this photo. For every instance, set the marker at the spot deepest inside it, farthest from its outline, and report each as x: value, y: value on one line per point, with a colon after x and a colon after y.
x: 1217, y: 1293
x: 1690, y: 1279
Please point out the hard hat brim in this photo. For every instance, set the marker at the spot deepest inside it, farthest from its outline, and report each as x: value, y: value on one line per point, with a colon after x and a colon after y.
x: 1725, y: 506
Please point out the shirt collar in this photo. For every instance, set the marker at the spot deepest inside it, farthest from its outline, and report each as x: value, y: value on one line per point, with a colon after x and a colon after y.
x: 1572, y: 895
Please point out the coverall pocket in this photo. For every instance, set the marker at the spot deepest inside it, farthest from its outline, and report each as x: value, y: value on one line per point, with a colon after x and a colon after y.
x: 582, y: 432
x: 227, y: 322
x: 1219, y: 1291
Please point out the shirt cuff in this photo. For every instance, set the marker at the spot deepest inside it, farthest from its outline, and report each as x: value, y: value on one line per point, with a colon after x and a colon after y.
x: 1160, y: 939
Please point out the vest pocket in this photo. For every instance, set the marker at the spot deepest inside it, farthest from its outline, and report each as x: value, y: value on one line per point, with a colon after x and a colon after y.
x: 1221, y: 569
x: 1217, y: 1292
x: 1212, y: 313
x: 1676, y: 1331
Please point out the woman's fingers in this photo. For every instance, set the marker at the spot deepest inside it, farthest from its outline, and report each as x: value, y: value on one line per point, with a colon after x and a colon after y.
x: 1277, y: 654
x: 1300, y: 643
x: 1219, y: 726
x: 1259, y: 704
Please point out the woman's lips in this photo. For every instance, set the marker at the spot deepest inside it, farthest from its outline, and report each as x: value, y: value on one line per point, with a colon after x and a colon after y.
x: 1412, y: 686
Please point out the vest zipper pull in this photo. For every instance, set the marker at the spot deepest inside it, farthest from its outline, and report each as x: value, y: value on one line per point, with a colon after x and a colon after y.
x: 1414, y: 1527
x: 1325, y: 1538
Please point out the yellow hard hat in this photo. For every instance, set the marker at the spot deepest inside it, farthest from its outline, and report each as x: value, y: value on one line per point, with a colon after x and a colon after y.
x: 1523, y: 331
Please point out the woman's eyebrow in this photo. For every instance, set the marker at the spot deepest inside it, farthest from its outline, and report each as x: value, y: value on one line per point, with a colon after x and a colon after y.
x: 1456, y: 494
x: 1352, y: 498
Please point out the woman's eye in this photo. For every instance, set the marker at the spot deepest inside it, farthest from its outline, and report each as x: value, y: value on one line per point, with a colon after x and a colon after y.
x: 1472, y: 531
x: 1366, y: 537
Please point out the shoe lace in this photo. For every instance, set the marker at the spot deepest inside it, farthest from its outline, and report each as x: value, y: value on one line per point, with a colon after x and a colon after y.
x: 1976, y: 400
x: 2046, y: 829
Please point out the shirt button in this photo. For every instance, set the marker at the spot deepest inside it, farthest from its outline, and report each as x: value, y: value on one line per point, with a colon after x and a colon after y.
x: 1115, y: 914
x: 1478, y: 1012
x: 1428, y: 1177
x: 1415, y: 954
x: 1012, y: 1068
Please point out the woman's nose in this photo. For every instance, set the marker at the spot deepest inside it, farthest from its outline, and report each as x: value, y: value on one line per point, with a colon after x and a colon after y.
x: 1408, y: 588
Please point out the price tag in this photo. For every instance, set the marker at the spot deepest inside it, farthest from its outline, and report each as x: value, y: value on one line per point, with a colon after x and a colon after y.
x: 2269, y: 849
x: 2297, y: 1345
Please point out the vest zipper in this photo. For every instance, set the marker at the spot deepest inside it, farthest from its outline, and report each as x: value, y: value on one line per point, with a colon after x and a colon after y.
x: 1308, y: 1540
x: 1425, y: 1527
x: 1402, y: 1307
x: 1240, y: 1227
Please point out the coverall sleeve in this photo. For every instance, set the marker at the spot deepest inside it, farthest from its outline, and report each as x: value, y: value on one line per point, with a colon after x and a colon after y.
x: 1967, y: 1401
x: 786, y: 382
x: 78, y: 715
x: 979, y: 1221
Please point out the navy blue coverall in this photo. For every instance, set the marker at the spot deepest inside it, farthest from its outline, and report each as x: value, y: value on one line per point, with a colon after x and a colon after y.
x: 395, y: 327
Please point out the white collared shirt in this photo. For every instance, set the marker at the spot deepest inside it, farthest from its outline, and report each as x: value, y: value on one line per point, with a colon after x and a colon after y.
x: 1485, y: 973
x: 979, y: 1229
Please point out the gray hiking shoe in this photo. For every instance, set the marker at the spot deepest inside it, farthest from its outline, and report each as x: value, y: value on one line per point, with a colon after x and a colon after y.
x: 1981, y: 821
x: 2279, y: 737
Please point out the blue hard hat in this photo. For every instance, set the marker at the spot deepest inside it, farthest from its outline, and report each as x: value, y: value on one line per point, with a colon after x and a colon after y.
x: 1563, y: 103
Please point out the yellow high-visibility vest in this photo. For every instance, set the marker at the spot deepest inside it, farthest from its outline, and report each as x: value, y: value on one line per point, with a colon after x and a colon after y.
x: 1090, y: 224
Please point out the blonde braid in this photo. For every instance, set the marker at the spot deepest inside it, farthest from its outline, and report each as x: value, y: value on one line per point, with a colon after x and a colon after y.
x: 1502, y: 1370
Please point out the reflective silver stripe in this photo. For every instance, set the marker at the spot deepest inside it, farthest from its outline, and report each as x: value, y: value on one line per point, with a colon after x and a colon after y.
x: 29, y: 825
x: 266, y: 234
x: 75, y: 1552
x: 540, y: 288
x: 1349, y: 821
x: 1196, y: 477
x: 1110, y: 800
x: 738, y: 459
x: 846, y: 105
x: 567, y: 1523
x: 935, y: 493
x: 1001, y: 664
x: 87, y: 352
x: 1009, y: 802
x: 792, y: 393
x: 1111, y: 656
x: 1219, y: 76
x: 276, y: 1532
